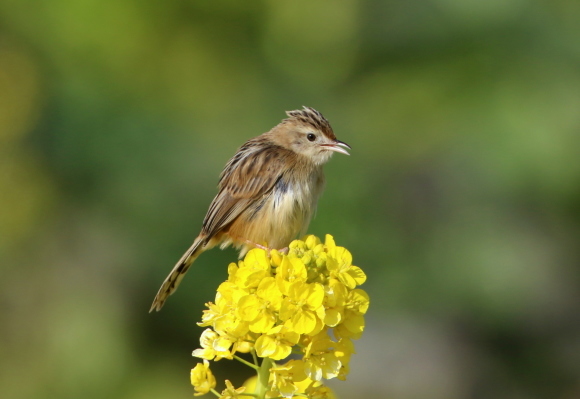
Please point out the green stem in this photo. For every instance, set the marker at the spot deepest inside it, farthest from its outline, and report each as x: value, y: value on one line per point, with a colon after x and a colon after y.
x: 246, y: 362
x: 263, y: 378
x: 216, y: 393
x: 255, y: 357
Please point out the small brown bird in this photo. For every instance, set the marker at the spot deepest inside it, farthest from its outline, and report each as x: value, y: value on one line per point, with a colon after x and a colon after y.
x: 267, y: 192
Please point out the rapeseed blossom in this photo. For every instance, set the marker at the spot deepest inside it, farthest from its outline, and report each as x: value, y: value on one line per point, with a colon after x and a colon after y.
x: 202, y: 378
x: 273, y: 305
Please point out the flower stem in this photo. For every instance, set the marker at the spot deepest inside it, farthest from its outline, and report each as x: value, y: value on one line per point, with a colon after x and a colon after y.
x: 246, y: 362
x: 255, y: 357
x: 263, y: 378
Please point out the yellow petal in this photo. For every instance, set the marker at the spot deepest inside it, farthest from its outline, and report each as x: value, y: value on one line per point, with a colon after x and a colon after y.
x: 303, y: 322
x: 248, y: 307
x: 205, y: 353
x: 311, y: 241
x: 263, y: 323
x: 265, y: 346
x: 358, y: 301
x: 329, y: 242
x: 315, y: 295
x: 332, y: 317
x: 357, y: 274
x: 342, y: 255
x: 257, y: 259
x: 347, y: 280
x: 275, y: 258
x: 354, y: 324
x: 281, y: 352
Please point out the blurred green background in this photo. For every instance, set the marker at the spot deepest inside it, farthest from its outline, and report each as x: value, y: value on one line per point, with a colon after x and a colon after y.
x: 461, y: 199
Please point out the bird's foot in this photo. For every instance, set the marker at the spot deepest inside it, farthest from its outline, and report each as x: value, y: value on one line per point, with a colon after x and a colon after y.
x: 257, y: 245
x: 282, y: 250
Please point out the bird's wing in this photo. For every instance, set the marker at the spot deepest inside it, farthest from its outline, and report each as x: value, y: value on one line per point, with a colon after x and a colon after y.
x: 247, y: 177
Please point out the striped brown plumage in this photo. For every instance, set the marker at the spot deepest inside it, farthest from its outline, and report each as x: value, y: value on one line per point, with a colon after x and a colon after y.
x: 267, y: 192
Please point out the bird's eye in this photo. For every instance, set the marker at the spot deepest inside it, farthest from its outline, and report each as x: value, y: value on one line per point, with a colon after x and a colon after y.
x: 311, y: 137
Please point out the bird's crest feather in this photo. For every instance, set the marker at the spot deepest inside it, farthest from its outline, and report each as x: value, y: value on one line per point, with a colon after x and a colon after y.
x: 310, y: 116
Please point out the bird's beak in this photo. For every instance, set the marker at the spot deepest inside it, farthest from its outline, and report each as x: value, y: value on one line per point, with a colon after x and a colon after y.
x: 337, y: 146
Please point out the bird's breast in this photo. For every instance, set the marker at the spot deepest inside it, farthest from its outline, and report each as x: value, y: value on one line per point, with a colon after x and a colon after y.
x: 286, y: 211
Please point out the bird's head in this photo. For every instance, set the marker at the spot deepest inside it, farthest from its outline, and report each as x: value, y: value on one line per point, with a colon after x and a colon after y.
x: 308, y: 133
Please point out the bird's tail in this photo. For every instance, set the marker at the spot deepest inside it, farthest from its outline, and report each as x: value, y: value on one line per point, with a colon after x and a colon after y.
x: 177, y: 273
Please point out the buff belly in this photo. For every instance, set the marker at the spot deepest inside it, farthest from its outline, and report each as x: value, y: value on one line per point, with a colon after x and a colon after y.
x: 279, y: 217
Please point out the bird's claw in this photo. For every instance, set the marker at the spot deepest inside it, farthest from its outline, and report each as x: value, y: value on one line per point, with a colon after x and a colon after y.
x: 267, y: 249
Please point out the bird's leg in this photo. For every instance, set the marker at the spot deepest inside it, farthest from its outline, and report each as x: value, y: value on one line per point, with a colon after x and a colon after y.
x: 257, y: 245
x: 282, y: 250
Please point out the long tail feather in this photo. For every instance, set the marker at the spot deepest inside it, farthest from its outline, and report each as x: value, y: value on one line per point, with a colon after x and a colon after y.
x: 177, y: 273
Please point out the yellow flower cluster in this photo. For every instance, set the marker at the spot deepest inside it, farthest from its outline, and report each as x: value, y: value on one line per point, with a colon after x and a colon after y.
x: 274, y: 305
